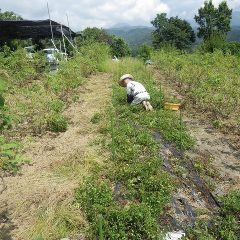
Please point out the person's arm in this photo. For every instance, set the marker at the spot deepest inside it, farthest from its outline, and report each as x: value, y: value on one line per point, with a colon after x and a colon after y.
x: 130, y: 93
x: 129, y: 98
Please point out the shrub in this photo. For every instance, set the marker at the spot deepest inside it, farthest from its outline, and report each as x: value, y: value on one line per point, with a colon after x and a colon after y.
x: 133, y: 221
x: 20, y: 68
x: 96, y: 118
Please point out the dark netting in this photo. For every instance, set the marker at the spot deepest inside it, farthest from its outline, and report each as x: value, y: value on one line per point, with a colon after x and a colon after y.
x: 24, y: 29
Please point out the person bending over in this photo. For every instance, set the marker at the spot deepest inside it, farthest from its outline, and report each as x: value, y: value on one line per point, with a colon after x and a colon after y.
x: 136, y: 92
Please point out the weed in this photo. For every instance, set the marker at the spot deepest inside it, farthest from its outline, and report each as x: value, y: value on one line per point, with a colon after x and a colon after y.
x: 57, y: 123
x: 96, y: 118
x: 134, y: 221
x: 217, y: 124
x: 56, y: 105
x: 75, y: 98
x: 57, y: 221
x: 10, y: 159
x: 141, y: 188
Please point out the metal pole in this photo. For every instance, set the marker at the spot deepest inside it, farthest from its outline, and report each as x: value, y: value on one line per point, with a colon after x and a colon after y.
x: 69, y: 29
x: 60, y: 45
x: 64, y: 43
x: 53, y: 44
x: 69, y: 41
x: 50, y: 21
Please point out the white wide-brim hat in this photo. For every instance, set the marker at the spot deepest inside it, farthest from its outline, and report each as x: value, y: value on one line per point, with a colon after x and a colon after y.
x: 123, y: 77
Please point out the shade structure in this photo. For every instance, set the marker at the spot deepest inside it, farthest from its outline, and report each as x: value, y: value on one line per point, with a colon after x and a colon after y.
x: 40, y: 29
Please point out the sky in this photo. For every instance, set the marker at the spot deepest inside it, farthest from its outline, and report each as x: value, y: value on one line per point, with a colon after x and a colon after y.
x: 106, y: 13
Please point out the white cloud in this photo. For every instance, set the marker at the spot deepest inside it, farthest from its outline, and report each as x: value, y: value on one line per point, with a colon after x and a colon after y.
x: 86, y: 13
x: 105, y: 13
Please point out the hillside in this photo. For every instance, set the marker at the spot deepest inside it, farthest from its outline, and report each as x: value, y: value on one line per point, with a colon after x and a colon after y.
x: 236, y: 18
x: 234, y: 35
x: 135, y: 36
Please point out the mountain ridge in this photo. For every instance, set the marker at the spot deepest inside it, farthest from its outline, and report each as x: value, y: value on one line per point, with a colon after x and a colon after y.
x: 135, y: 36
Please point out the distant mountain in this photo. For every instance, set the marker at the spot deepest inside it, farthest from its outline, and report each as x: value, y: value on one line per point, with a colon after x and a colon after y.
x: 235, y: 18
x: 135, y: 36
x: 121, y: 25
x: 234, y: 35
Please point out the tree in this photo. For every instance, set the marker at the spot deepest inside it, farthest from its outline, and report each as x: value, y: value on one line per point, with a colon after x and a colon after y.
x: 119, y: 47
x: 12, y: 44
x: 145, y: 52
x: 9, y: 16
x: 213, y: 21
x: 173, y: 30
x: 94, y: 35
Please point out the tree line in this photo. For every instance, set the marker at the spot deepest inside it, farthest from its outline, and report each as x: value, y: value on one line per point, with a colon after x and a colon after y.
x: 213, y: 26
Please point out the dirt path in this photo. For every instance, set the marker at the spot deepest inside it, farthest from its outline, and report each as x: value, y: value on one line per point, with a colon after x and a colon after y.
x: 58, y: 163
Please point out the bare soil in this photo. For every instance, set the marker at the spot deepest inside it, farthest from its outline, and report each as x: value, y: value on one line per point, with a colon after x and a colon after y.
x: 57, y: 164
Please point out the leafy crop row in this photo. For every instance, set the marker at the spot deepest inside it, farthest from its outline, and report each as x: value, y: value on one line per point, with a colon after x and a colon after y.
x: 209, y: 80
x: 126, y: 199
x: 31, y: 99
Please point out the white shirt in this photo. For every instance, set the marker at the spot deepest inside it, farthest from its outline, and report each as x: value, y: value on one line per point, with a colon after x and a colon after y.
x: 135, y: 87
x: 138, y: 91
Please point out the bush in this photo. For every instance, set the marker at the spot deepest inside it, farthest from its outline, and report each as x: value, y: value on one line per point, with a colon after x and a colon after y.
x: 56, y: 105
x: 126, y: 198
x: 20, y: 68
x: 96, y: 118
x: 5, y: 120
x: 232, y: 48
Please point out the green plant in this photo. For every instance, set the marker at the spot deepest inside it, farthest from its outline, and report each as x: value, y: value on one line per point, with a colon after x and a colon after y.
x: 213, y: 20
x: 57, y: 123
x: 10, y: 159
x: 56, y: 105
x: 30, y: 96
x: 5, y: 120
x: 206, y: 80
x: 96, y: 118
x: 173, y: 31
x: 132, y: 191
x: 134, y: 221
x: 145, y: 52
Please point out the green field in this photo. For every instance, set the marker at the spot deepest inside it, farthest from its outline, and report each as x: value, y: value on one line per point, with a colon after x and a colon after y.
x: 129, y: 195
